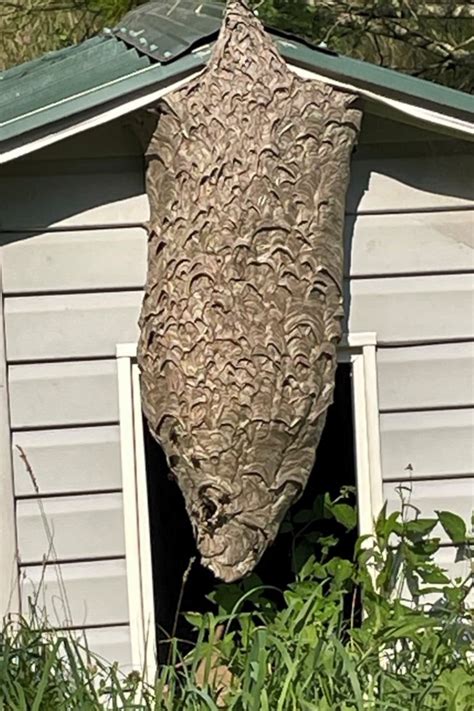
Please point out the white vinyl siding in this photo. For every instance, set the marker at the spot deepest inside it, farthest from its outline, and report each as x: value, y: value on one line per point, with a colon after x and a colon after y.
x: 87, y: 198
x: 430, y: 496
x: 95, y: 196
x: 435, y: 443
x: 411, y: 243
x: 68, y: 460
x: 428, y: 309
x: 433, y: 376
x: 112, y: 643
x: 61, y: 261
x: 69, y: 303
x: 416, y: 183
x: 74, y: 258
x: 70, y: 326
x: 78, y: 527
x: 382, y: 245
x: 80, y: 594
x: 403, y: 310
x: 63, y: 394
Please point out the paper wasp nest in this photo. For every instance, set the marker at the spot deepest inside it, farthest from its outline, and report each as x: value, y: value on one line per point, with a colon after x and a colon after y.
x: 247, y: 175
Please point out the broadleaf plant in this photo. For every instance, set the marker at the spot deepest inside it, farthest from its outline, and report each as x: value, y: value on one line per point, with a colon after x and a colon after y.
x: 385, y: 629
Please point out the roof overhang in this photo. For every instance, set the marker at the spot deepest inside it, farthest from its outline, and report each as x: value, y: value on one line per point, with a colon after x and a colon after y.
x: 386, y: 92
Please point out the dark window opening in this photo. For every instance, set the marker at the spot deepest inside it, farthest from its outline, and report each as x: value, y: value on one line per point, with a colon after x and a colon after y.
x: 172, y: 541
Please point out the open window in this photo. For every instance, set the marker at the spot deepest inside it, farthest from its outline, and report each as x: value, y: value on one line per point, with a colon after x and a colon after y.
x: 159, y: 540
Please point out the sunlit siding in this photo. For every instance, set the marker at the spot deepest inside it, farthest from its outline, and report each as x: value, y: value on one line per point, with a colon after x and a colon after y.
x: 69, y: 296
x: 74, y: 254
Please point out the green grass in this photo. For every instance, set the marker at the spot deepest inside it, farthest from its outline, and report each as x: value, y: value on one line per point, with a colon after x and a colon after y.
x: 316, y: 651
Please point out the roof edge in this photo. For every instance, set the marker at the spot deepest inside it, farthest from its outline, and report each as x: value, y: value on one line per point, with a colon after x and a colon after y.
x: 431, y: 104
x: 417, y: 114
x: 379, y: 79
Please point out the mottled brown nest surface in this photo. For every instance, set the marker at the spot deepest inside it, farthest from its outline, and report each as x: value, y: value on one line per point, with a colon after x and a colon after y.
x: 247, y: 175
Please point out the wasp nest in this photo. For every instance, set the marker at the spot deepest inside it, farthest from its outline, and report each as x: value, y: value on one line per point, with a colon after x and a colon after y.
x: 247, y: 175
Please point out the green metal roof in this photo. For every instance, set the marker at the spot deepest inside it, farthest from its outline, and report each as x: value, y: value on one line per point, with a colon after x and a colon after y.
x: 167, y: 29
x: 62, y: 74
x: 165, y: 40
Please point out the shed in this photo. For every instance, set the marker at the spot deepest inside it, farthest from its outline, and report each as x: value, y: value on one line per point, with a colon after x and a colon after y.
x: 74, y: 510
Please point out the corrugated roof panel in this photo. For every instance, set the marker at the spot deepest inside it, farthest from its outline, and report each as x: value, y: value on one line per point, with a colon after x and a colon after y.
x: 165, y: 29
x: 72, y: 81
x: 65, y: 74
x: 48, y: 60
x: 151, y: 76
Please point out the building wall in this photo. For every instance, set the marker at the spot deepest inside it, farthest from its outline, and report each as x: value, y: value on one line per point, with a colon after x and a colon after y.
x: 73, y: 252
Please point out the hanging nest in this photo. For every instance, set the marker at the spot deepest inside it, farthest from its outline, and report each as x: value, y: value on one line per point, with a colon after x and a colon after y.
x: 247, y: 173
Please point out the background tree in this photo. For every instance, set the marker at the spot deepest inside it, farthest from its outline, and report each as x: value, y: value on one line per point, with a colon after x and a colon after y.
x: 432, y: 40
x: 29, y: 28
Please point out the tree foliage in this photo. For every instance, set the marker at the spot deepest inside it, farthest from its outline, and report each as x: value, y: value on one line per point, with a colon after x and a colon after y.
x: 429, y: 39
x: 30, y: 28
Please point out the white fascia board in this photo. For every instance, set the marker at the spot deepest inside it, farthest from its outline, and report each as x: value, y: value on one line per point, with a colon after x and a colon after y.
x: 427, y: 116
x: 126, y: 107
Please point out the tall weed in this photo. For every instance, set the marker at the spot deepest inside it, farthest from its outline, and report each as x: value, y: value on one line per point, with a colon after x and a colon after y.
x: 384, y: 630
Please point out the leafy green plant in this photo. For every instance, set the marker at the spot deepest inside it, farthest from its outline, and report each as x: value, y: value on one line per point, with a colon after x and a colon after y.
x: 409, y: 649
x: 403, y: 642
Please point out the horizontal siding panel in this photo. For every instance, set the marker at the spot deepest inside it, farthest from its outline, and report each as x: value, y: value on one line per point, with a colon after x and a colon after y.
x: 73, y: 325
x: 33, y: 167
x: 437, y: 443
x: 116, y: 258
x: 440, y: 375
x: 68, y: 460
x: 411, y: 243
x: 73, y: 199
x: 421, y: 182
x: 112, y: 644
x: 61, y: 394
x: 455, y: 495
x: 400, y: 310
x: 446, y: 558
x: 92, y: 593
x: 74, y: 261
x: 413, y: 309
x: 81, y: 527
x: 103, y: 193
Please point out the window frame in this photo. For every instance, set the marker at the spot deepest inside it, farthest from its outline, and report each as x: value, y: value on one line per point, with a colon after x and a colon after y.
x: 138, y: 561
x: 358, y: 349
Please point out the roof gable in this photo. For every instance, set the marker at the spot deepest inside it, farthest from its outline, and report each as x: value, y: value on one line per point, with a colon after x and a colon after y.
x: 163, y: 42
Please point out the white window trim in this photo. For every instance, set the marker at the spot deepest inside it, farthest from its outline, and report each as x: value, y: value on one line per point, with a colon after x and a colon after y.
x: 136, y: 517
x: 359, y: 349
